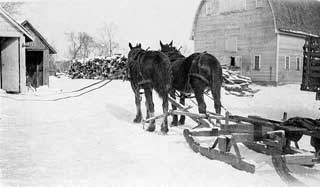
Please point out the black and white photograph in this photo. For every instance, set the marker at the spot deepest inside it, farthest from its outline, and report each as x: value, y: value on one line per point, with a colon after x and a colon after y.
x: 159, y: 93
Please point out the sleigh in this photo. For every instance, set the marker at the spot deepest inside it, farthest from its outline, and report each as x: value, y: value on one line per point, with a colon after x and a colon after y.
x: 259, y: 134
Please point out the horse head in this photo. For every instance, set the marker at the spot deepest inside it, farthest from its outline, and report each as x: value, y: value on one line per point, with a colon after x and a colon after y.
x: 134, y: 52
x: 170, y: 50
x: 166, y: 48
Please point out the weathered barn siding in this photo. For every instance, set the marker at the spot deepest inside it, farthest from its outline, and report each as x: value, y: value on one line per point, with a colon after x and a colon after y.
x: 290, y: 46
x: 46, y: 68
x: 14, y: 37
x: 252, y: 26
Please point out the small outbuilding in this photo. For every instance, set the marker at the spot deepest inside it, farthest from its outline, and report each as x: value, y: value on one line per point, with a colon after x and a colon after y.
x: 12, y: 54
x: 38, y: 54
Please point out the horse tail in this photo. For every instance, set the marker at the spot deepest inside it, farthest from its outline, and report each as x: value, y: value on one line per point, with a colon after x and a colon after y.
x: 162, y: 75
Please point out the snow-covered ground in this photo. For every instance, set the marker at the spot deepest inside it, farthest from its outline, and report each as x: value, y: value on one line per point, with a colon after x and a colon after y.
x: 91, y: 140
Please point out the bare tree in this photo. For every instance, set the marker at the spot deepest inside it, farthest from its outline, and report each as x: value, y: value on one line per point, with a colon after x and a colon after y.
x: 11, y: 7
x: 107, y: 43
x: 75, y: 45
x: 81, y: 44
x: 87, y: 44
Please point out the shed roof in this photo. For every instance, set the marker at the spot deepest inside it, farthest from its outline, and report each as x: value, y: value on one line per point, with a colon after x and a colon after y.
x: 295, y: 16
x: 26, y: 23
x: 16, y: 25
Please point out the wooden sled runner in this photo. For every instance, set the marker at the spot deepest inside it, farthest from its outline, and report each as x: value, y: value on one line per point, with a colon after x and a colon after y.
x: 221, y: 154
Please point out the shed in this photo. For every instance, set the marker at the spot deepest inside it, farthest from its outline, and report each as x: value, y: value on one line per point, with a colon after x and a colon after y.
x: 264, y: 38
x: 38, y: 54
x: 12, y: 54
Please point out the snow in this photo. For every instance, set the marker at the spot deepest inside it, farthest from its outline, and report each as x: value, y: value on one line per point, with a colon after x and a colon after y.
x: 90, y: 140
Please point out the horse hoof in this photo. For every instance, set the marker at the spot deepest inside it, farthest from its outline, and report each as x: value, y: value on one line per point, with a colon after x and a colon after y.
x: 164, y: 129
x: 137, y: 120
x: 151, y: 128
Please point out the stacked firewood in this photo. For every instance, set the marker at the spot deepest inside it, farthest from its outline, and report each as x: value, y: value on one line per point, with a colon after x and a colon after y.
x: 236, y: 84
x: 99, y: 68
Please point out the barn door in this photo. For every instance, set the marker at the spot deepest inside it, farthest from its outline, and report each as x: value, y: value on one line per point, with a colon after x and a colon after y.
x: 10, y: 65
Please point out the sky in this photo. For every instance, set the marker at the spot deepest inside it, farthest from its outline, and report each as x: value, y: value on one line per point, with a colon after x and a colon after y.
x: 143, y: 21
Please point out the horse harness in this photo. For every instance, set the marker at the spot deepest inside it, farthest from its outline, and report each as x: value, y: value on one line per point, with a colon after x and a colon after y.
x: 196, y: 75
x: 137, y: 59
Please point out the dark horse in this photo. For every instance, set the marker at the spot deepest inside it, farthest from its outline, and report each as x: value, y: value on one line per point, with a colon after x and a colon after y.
x: 149, y: 70
x: 194, y: 74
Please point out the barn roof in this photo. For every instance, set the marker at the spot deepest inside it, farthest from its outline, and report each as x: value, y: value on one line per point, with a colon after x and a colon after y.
x: 292, y: 16
x: 297, y: 16
x: 26, y: 23
x: 16, y: 25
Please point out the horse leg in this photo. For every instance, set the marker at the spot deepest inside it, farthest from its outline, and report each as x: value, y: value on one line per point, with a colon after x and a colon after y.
x: 137, y: 98
x: 198, y: 87
x: 138, y: 107
x: 175, y: 117
x: 147, y: 110
x: 182, y: 117
x: 165, y: 107
x: 150, y: 109
x: 216, y: 93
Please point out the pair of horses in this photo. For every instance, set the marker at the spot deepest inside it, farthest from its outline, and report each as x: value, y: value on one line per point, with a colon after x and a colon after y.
x: 167, y: 71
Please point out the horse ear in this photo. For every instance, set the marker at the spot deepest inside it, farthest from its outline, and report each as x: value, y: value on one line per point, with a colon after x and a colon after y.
x: 171, y: 43
x: 130, y: 45
x: 161, y: 44
x: 139, y: 45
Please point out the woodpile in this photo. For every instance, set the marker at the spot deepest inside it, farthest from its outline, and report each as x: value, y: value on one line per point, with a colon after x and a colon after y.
x: 106, y: 67
x: 236, y: 84
x: 99, y: 68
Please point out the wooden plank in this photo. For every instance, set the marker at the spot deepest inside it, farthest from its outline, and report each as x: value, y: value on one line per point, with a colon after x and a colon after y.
x: 299, y: 159
x: 314, y: 75
x: 237, y: 128
x: 224, y: 143
x: 313, y: 54
x: 258, y: 147
x: 236, y: 148
x: 315, y: 68
x: 265, y: 123
x: 242, y: 137
x: 264, y: 119
x: 212, y: 132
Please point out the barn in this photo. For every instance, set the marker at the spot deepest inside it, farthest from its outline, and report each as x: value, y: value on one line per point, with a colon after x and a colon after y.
x: 264, y: 38
x: 12, y: 54
x: 38, y: 54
